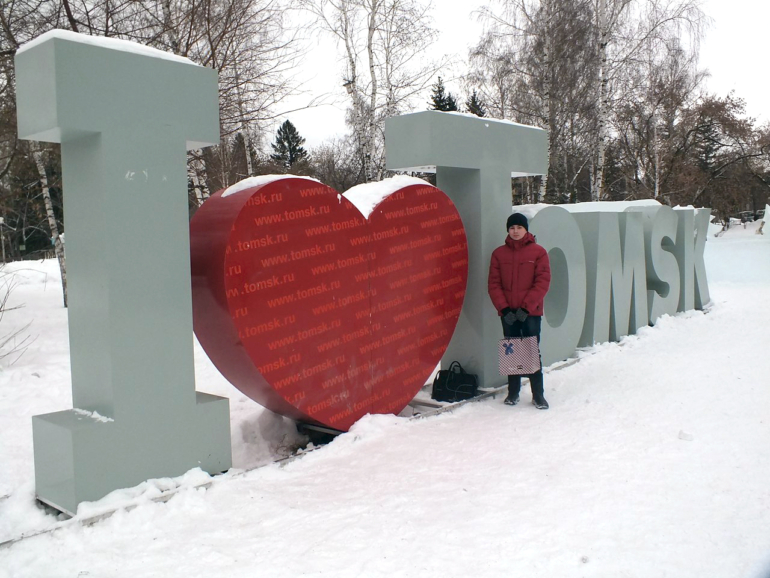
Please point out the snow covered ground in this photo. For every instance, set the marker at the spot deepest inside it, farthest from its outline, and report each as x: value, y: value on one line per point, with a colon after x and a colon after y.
x: 653, y: 461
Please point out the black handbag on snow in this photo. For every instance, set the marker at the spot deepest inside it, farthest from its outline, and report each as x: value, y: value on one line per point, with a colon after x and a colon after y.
x: 454, y: 384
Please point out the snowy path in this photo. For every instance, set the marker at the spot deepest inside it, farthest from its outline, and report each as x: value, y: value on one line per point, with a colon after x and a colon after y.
x: 652, y: 461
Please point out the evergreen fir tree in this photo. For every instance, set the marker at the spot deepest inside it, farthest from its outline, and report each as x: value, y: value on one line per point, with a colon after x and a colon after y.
x: 451, y: 103
x: 441, y: 99
x: 475, y: 105
x: 287, y: 148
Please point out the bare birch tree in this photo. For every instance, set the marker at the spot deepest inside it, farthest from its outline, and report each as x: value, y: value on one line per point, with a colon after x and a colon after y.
x: 627, y: 30
x: 661, y: 91
x: 247, y: 42
x: 244, y: 39
x: 19, y: 23
x: 52, y: 224
x: 570, y: 66
x: 530, y: 65
x: 382, y: 44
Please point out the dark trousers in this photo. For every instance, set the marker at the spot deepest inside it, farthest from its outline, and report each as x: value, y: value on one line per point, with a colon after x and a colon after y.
x: 527, y: 328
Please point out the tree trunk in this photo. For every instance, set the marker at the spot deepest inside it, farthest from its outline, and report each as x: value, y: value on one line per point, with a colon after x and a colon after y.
x: 70, y: 18
x: 601, y: 101
x: 244, y: 127
x: 170, y: 31
x: 37, y: 154
x: 351, y: 86
x: 370, y: 121
x: 549, y: 112
x: 196, y: 172
x: 656, y: 144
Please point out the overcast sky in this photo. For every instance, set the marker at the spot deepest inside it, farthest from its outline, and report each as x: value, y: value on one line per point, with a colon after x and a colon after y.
x: 734, y: 51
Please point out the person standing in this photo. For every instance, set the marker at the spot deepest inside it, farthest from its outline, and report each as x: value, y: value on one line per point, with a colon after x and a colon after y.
x: 519, y: 278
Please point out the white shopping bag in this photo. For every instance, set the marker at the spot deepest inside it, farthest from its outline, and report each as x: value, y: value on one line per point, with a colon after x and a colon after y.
x: 519, y: 355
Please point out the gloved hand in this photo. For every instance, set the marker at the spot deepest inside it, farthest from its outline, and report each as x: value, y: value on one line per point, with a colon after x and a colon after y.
x: 521, y: 314
x: 508, y: 316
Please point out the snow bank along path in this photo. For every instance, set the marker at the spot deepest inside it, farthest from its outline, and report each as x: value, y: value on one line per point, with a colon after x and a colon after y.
x: 652, y: 461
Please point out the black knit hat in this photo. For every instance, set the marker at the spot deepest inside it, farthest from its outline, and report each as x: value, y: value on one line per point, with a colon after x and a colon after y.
x: 517, y: 219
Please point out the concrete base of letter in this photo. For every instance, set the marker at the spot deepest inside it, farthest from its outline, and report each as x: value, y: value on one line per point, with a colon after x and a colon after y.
x: 79, y: 458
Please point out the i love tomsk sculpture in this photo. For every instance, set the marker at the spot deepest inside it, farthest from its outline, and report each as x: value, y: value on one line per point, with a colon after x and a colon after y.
x: 318, y: 310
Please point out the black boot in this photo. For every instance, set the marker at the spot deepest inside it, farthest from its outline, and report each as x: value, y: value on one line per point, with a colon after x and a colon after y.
x: 536, y: 382
x: 514, y: 387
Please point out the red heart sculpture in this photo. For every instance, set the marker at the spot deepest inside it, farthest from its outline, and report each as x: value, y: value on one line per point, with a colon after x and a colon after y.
x: 318, y: 313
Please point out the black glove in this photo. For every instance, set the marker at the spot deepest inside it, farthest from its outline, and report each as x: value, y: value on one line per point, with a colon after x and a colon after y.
x: 508, y: 316
x: 521, y: 314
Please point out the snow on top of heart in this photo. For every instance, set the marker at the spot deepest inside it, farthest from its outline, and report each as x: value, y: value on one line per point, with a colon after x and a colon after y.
x: 368, y: 195
x: 259, y: 181
x: 104, y: 42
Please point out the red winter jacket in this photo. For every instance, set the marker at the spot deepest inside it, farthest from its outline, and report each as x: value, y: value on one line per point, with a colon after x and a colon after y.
x: 519, y: 275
